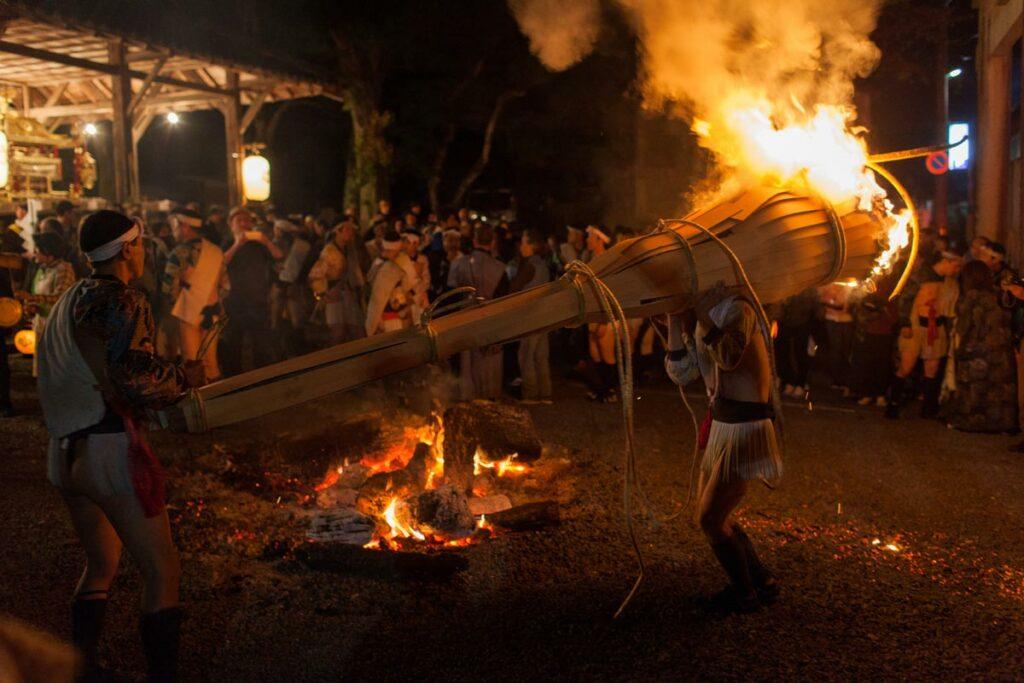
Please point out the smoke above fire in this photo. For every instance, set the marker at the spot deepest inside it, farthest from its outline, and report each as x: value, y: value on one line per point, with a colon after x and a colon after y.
x: 561, y: 32
x: 767, y: 86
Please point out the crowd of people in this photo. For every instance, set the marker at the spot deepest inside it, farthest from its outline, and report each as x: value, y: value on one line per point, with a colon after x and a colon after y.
x: 243, y: 288
x: 952, y: 337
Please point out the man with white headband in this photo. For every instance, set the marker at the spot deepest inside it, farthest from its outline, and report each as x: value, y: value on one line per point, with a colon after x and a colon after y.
x: 97, y: 376
x: 391, y: 288
x: 191, y: 286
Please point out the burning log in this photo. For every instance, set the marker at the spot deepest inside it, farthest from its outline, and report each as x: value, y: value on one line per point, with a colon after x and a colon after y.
x: 377, y: 492
x: 788, y: 240
x: 444, y: 511
x: 528, y: 517
x: 337, y: 497
x: 349, y: 559
x: 491, y: 427
x: 488, y: 505
x: 343, y: 525
x: 419, y: 465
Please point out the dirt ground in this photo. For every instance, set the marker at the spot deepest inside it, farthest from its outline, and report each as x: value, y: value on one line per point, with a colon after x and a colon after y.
x: 899, y: 546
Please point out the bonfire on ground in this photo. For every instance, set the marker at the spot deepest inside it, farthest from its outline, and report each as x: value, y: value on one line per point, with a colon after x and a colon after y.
x: 446, y: 481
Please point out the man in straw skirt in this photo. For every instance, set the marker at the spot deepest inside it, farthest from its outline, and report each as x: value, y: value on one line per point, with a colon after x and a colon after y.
x: 720, y: 340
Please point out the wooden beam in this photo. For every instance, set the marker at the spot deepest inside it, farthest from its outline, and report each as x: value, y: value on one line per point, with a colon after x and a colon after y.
x: 233, y: 137
x: 110, y: 69
x: 105, y: 108
x: 55, y: 96
x: 146, y: 83
x: 141, y: 125
x: 252, y: 111
x: 121, y: 87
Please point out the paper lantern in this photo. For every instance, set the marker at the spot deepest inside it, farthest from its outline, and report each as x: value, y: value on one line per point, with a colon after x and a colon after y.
x: 25, y: 342
x: 256, y: 178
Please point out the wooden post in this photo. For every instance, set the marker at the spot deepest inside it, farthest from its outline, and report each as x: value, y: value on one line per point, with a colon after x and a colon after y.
x: 121, y: 91
x: 233, y: 136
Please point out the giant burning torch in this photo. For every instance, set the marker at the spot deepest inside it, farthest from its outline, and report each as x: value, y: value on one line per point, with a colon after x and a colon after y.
x: 787, y: 240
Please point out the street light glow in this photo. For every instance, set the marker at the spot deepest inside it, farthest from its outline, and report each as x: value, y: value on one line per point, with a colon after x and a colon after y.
x: 173, y: 118
x: 954, y: 73
x: 90, y: 129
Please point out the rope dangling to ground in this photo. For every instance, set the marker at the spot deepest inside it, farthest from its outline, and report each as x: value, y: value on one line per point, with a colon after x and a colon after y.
x: 614, y: 313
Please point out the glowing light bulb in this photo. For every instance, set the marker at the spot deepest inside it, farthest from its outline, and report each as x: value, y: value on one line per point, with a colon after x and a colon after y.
x: 173, y: 118
x: 91, y: 129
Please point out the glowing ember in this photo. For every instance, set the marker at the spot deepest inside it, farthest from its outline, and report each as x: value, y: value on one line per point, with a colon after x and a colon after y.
x: 501, y: 468
x: 396, y: 526
x: 400, y: 529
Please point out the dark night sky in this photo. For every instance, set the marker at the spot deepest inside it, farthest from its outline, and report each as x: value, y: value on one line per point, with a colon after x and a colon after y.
x: 566, y: 148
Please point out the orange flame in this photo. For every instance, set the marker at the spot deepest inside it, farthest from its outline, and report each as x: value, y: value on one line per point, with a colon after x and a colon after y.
x: 501, y: 468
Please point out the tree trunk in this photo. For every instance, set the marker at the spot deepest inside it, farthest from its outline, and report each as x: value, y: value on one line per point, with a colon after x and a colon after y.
x: 485, y: 150
x: 434, y: 184
x: 369, y: 158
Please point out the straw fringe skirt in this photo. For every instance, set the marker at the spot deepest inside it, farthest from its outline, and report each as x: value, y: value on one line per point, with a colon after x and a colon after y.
x: 744, y: 450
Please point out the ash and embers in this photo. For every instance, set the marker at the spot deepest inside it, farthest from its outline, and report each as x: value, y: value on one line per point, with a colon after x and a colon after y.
x: 448, y: 481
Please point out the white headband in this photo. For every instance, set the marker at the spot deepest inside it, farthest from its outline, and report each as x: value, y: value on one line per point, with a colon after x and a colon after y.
x: 113, y: 247
x: 189, y: 220
x: 386, y: 244
x: 600, y: 233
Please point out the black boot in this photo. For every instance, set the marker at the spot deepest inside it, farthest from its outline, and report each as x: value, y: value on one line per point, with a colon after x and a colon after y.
x: 896, y: 391
x: 86, y: 624
x: 161, y: 632
x: 741, y: 593
x: 764, y: 581
x: 931, y: 386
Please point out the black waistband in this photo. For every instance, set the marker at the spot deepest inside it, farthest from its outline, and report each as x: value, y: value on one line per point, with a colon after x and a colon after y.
x: 939, y: 320
x: 732, y: 412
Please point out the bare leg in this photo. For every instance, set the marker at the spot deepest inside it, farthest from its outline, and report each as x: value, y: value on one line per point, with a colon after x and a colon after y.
x: 102, y: 553
x: 101, y: 543
x: 148, y: 541
x: 717, y: 501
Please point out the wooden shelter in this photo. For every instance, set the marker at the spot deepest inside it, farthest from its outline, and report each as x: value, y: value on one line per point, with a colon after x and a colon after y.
x: 59, y: 70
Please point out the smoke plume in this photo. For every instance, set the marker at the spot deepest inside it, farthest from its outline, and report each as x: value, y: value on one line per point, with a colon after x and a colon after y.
x: 561, y: 32
x: 744, y: 73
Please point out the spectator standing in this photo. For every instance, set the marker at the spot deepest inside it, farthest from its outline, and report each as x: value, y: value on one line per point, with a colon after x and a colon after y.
x: 390, y: 289
x: 601, y: 336
x: 574, y: 247
x: 926, y: 307
x: 839, y: 333
x: 337, y: 281
x: 875, y: 327
x: 796, y: 323
x: 534, y: 366
x: 51, y: 278
x: 420, y: 273
x: 985, y: 399
x: 191, y: 286
x: 12, y: 243
x: 480, y: 370
x: 249, y: 259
